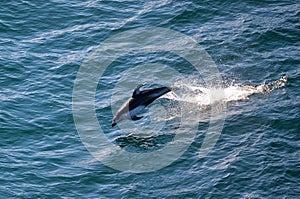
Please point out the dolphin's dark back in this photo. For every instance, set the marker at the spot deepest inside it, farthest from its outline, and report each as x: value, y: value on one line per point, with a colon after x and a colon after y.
x: 146, y: 97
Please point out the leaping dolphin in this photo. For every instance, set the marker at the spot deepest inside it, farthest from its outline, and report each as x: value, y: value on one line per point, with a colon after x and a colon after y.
x: 138, y: 101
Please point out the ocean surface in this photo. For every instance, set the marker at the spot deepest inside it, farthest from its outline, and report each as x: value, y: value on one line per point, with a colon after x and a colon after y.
x: 255, y: 48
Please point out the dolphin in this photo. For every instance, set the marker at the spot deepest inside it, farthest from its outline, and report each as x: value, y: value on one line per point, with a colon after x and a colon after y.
x: 139, y: 100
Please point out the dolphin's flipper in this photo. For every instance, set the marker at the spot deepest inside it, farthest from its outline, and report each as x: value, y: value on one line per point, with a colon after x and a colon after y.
x: 134, y: 118
x: 137, y: 90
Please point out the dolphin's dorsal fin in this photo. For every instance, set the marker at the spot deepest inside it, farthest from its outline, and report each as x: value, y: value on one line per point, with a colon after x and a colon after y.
x: 137, y: 91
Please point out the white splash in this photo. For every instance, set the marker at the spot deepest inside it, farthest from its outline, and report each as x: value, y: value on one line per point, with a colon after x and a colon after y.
x: 206, y: 96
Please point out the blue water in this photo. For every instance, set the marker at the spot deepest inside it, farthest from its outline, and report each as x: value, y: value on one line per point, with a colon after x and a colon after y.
x: 255, y: 46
